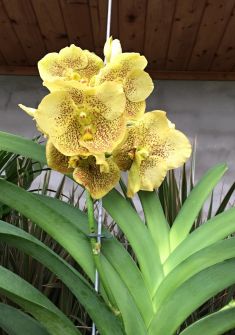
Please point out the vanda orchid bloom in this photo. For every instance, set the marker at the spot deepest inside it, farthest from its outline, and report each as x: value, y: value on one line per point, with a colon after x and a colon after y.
x: 85, y: 170
x: 152, y: 147
x: 82, y: 121
x: 71, y: 63
x: 94, y: 120
x: 127, y: 69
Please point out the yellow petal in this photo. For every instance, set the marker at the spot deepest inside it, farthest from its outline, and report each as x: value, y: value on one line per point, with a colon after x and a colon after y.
x: 71, y: 63
x: 63, y: 85
x: 57, y: 116
x: 134, y: 110
x: 158, y: 135
x: 124, y: 153
x: 55, y: 113
x: 119, y: 68
x: 106, y: 134
x: 61, y: 65
x: 68, y: 143
x: 93, y: 67
x: 73, y: 57
x: 102, y: 126
x: 178, y: 149
x: 112, y: 96
x: 130, y: 60
x: 112, y: 48
x: 151, y: 128
x: 96, y: 182
x: 56, y: 160
x: 146, y: 174
x: 108, y: 49
x: 28, y: 110
x: 138, y: 85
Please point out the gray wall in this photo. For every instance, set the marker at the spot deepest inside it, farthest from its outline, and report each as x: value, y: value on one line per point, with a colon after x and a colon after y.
x: 205, y: 110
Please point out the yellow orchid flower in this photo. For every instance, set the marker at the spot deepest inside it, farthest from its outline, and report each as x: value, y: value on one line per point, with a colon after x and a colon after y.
x: 152, y: 146
x: 127, y: 69
x: 81, y: 120
x: 86, y: 170
x: 94, y: 179
x: 112, y: 48
x: 71, y: 63
x: 56, y: 160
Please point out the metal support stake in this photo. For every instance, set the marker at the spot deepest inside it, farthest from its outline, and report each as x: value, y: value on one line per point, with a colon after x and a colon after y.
x: 100, y: 205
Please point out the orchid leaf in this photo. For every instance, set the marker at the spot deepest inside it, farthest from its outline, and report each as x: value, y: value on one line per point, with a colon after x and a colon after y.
x: 212, y: 231
x: 214, y: 324
x: 156, y: 222
x: 114, y: 253
x: 35, y: 303
x: 15, y: 322
x: 191, y: 207
x: 105, y: 320
x: 202, y: 259
x: 193, y: 294
x: 138, y: 235
x: 22, y: 146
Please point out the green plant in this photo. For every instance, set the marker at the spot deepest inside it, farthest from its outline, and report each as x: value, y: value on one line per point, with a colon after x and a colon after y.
x: 176, y: 272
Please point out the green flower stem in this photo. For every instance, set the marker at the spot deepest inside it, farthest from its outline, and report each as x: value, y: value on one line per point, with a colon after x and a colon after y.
x: 91, y: 224
x: 96, y: 248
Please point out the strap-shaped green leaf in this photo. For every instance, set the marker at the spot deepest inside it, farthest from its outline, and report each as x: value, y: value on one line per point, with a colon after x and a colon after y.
x: 98, y: 311
x: 55, y: 225
x: 22, y: 146
x: 15, y: 322
x: 214, y: 324
x: 114, y: 252
x: 132, y: 319
x: 193, y: 293
x: 61, y: 229
x: 191, y: 207
x: 35, y: 303
x: 138, y: 236
x: 156, y: 222
x: 212, y: 231
x: 195, y: 263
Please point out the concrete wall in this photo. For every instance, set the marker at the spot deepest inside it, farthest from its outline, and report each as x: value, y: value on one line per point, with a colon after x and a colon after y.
x: 205, y: 110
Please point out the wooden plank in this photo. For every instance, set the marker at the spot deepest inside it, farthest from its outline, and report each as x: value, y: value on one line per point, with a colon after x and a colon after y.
x: 132, y: 24
x: 2, y: 60
x: 184, y: 30
x: 98, y: 12
x: 78, y: 24
x: 115, y: 19
x: 191, y: 75
x: 77, y: 1
x: 51, y: 23
x: 224, y: 59
x: 159, y: 18
x: 211, y: 30
x: 10, y: 46
x: 26, y: 27
x: 18, y: 70
x: 158, y: 75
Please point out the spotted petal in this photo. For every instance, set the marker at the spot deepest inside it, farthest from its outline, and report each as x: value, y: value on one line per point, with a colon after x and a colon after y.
x: 151, y: 147
x: 104, y: 109
x: 81, y: 120
x: 127, y: 69
x: 138, y: 85
x: 70, y: 63
x: 56, y: 160
x: 146, y: 174
x: 98, y: 183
